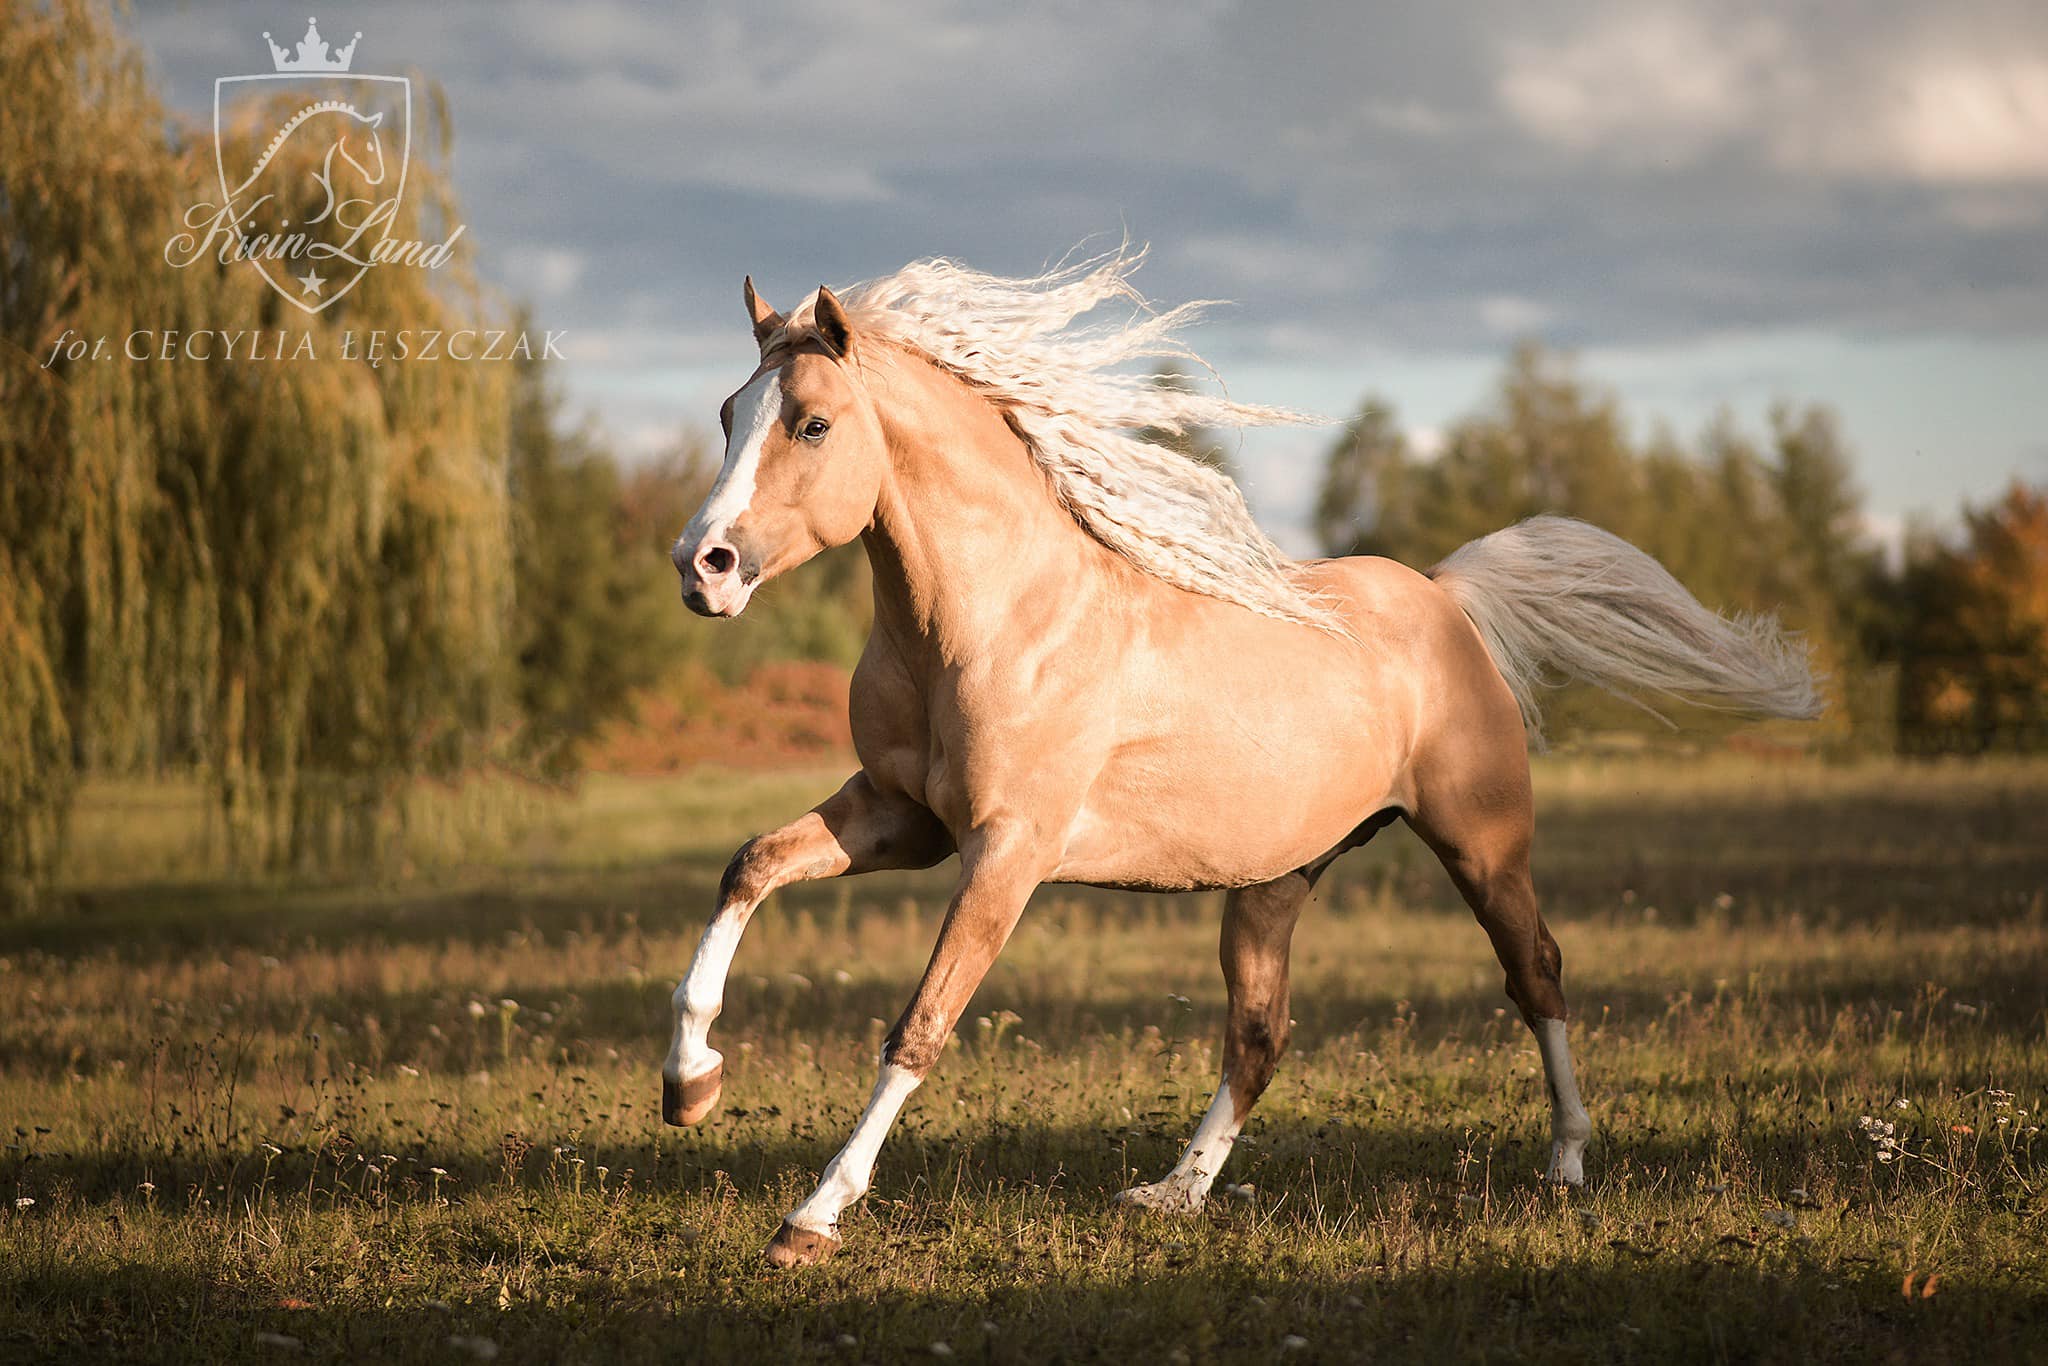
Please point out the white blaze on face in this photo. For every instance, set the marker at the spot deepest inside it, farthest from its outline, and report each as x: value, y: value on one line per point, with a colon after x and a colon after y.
x: 754, y: 414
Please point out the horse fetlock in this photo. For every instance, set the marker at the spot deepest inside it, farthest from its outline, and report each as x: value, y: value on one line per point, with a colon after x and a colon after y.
x: 1567, y: 1162
x: 1570, y: 1128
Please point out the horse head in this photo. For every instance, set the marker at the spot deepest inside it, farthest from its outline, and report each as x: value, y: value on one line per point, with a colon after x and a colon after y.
x: 804, y: 459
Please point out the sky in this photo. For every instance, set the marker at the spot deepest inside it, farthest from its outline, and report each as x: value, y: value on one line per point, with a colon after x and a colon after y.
x: 1714, y: 205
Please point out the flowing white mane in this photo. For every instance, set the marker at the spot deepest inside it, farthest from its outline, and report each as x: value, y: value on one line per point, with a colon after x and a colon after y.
x: 1019, y: 341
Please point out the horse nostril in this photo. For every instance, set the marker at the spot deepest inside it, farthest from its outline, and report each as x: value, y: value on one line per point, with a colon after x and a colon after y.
x: 717, y: 560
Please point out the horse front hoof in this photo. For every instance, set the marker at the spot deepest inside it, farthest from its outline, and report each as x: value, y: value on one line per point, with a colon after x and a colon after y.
x: 793, y: 1246
x: 689, y: 1100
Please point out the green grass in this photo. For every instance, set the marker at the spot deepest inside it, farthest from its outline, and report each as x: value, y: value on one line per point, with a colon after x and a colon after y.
x: 228, y: 1102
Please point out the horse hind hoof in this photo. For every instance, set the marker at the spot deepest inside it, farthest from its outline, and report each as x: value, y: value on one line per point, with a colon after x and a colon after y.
x: 1163, y: 1197
x: 793, y: 1246
x: 1567, y: 1169
x: 689, y: 1100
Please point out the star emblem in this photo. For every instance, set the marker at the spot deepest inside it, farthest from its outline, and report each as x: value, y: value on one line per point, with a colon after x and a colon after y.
x: 310, y: 283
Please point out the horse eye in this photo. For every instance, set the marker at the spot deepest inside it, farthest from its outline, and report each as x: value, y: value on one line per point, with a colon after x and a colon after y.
x: 815, y: 429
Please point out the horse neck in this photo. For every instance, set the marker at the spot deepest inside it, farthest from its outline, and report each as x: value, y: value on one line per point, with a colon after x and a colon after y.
x: 966, y: 530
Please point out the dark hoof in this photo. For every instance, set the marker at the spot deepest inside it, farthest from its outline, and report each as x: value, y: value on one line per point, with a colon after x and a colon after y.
x: 793, y: 1246
x: 689, y: 1100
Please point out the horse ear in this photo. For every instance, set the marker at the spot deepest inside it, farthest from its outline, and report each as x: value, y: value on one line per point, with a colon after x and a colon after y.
x: 834, y: 327
x: 767, y: 322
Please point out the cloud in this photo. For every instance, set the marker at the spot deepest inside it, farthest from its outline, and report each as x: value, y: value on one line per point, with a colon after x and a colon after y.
x: 1640, y: 171
x: 1654, y: 85
x: 1659, y: 85
x: 546, y: 273
x: 1511, y: 315
x: 1964, y: 118
x: 1365, y: 182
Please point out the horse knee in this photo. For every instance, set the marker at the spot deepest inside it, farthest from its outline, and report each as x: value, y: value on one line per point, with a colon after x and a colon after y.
x: 741, y: 883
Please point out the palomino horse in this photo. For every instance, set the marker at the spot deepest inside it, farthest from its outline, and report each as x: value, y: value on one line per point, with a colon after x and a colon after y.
x: 1088, y: 665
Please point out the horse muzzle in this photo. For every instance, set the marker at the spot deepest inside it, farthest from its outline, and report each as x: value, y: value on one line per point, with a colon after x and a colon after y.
x: 717, y: 579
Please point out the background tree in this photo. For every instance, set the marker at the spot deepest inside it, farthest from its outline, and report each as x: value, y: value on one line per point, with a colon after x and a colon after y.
x: 596, y: 614
x: 1200, y: 445
x: 295, y: 576
x: 1974, y: 672
x: 1365, y: 499
x: 1777, y: 529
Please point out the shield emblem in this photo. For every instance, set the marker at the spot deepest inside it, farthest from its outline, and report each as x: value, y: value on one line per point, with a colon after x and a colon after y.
x: 313, y: 165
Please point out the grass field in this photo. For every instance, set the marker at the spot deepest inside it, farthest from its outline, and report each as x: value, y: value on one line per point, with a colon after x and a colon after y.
x: 418, y: 1122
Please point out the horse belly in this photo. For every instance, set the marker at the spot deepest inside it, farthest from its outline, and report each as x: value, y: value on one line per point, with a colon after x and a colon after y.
x: 1214, y: 823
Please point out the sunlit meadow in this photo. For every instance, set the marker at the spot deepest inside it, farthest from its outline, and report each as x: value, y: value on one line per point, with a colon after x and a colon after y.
x: 417, y: 1119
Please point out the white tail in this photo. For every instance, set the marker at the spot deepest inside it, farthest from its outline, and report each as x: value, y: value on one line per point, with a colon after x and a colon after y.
x: 1555, y: 593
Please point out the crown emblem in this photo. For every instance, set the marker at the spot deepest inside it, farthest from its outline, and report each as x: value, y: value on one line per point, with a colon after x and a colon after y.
x: 313, y: 52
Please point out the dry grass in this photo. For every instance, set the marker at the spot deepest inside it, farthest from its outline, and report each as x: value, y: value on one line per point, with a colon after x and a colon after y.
x: 401, y: 1123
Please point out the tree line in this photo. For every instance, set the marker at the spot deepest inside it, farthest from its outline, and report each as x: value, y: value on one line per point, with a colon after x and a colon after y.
x: 1939, y: 647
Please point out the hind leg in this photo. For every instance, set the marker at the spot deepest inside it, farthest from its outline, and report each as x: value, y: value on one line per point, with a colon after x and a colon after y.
x: 1258, y: 928
x: 1484, y: 843
x: 1258, y: 925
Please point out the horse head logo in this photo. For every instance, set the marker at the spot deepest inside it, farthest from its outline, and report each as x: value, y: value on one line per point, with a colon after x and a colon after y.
x: 372, y: 151
x: 312, y: 160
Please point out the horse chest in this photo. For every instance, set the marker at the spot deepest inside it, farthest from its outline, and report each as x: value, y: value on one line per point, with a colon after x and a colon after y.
x: 960, y: 742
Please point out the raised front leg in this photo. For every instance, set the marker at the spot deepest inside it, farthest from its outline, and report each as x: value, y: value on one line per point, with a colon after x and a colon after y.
x: 1258, y: 926
x: 858, y: 829
x: 997, y: 873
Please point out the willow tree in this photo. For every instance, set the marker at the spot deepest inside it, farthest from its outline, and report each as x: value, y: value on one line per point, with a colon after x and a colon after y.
x: 293, y: 574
